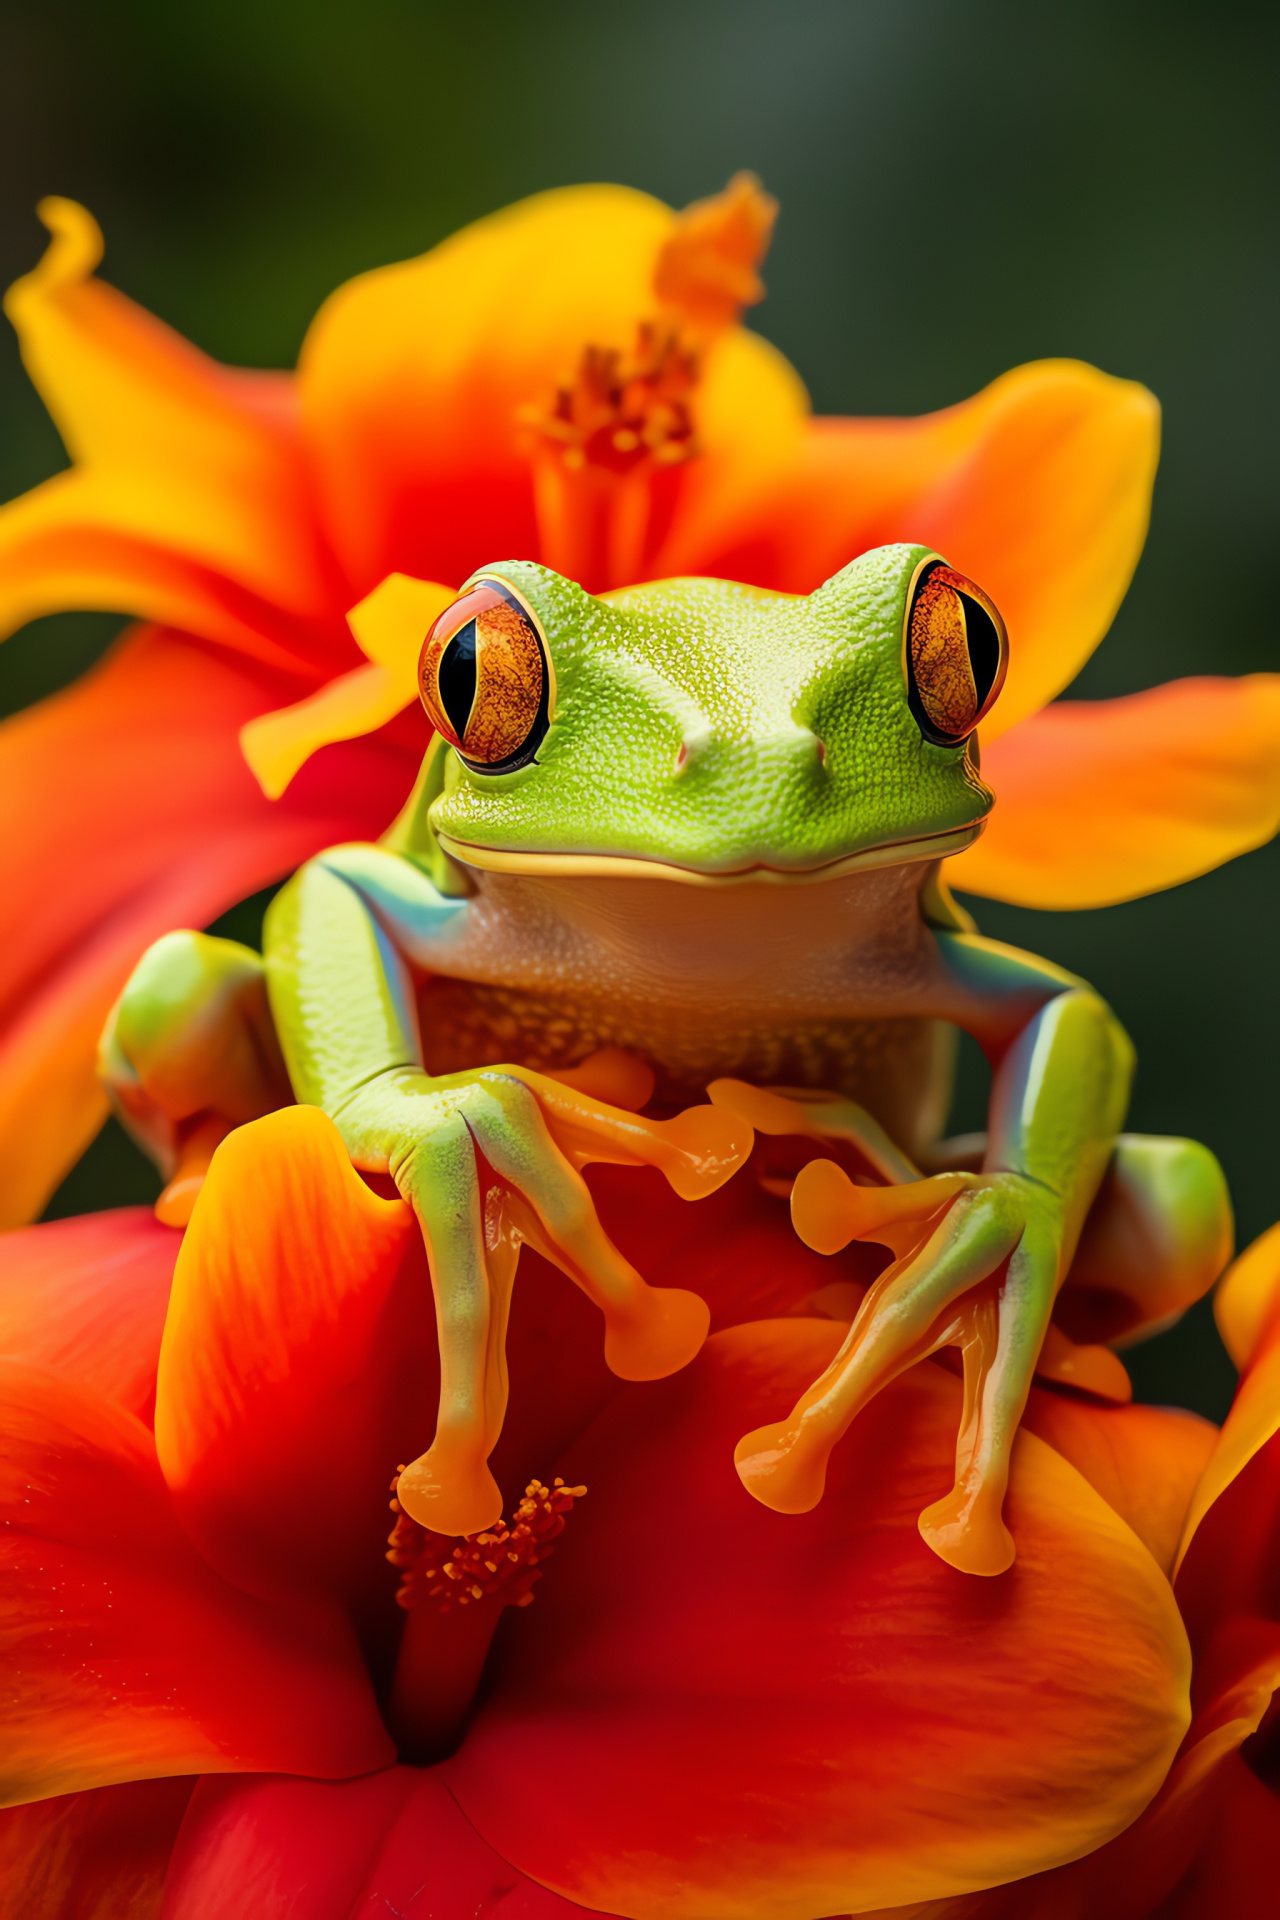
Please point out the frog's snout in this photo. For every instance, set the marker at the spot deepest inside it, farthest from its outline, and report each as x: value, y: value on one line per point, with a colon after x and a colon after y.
x: 793, y: 748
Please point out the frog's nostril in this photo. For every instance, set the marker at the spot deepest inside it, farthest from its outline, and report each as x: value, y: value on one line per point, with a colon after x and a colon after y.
x: 682, y: 756
x: 822, y: 753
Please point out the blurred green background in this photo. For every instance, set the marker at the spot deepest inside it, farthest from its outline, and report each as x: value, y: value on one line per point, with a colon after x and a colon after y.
x: 1099, y: 179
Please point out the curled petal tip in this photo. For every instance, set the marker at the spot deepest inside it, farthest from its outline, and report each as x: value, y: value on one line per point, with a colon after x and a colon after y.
x: 73, y: 252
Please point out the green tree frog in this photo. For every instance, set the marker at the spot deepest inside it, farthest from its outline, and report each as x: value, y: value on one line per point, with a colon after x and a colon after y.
x: 696, y: 825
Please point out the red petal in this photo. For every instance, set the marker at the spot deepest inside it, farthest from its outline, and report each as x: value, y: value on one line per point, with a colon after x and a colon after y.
x: 87, y: 1298
x: 100, y: 1855
x: 126, y: 809
x: 712, y: 1709
x: 394, y: 1843
x: 128, y: 1657
x: 737, y: 1248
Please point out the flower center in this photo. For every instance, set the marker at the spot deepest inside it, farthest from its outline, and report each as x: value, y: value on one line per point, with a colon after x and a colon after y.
x: 624, y: 415
x: 621, y: 408
x: 454, y: 1592
x: 499, y: 1564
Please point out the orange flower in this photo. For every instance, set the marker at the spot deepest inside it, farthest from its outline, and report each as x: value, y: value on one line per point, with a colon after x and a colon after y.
x: 708, y: 1709
x: 566, y: 381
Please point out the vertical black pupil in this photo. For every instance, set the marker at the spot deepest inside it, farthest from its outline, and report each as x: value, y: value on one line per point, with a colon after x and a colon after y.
x: 457, y: 677
x: 984, y: 646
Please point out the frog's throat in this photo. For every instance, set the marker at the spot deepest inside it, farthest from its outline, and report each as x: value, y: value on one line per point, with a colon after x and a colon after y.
x: 902, y: 853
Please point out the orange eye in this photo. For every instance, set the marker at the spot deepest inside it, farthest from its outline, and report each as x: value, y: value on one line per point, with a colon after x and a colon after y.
x: 956, y: 653
x: 485, y: 680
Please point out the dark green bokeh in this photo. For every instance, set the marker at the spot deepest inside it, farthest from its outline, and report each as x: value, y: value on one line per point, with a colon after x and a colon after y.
x: 963, y: 187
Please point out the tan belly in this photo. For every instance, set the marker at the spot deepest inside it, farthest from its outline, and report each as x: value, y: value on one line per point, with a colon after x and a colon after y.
x: 900, y: 1069
x: 809, y: 985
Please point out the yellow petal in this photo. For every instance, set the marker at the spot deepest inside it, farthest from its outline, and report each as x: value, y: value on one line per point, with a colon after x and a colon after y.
x: 412, y: 376
x: 189, y: 500
x: 1099, y: 801
x: 390, y: 625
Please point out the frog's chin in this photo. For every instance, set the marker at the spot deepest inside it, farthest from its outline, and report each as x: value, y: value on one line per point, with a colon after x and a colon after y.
x: 898, y: 853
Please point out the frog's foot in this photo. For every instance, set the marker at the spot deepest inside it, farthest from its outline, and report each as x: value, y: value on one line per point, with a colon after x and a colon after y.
x: 816, y: 1114
x: 494, y: 1162
x: 1159, y: 1233
x: 976, y: 1268
x: 189, y: 1051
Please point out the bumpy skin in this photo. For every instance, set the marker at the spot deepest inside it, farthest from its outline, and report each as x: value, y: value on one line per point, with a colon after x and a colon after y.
x: 723, y: 856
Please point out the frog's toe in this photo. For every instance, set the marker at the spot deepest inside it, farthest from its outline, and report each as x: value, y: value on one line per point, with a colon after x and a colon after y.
x: 449, y: 1490
x: 663, y: 1337
x: 969, y: 1533
x: 488, y: 1177
x: 649, y: 1331
x: 948, y: 1292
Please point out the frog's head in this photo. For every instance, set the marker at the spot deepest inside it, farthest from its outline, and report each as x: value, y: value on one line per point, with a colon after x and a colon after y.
x: 709, y: 731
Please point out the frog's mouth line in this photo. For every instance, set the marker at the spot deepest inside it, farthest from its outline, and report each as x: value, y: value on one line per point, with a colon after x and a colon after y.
x: 897, y: 853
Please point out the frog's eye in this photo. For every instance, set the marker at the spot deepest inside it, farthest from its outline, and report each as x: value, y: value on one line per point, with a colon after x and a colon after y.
x: 956, y: 653
x: 485, y: 678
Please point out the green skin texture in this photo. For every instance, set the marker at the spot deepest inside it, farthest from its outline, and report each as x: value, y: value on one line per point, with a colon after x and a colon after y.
x: 748, y: 685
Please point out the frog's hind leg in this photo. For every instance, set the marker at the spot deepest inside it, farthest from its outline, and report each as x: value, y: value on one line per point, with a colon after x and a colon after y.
x: 1158, y: 1235
x: 189, y: 1051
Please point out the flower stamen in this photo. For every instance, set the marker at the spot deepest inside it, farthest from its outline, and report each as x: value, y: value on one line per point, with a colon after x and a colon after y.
x: 625, y: 415
x: 500, y: 1563
x: 454, y: 1592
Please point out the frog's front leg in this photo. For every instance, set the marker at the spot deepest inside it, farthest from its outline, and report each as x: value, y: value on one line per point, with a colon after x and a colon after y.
x: 189, y: 1052
x: 980, y: 1256
x: 487, y: 1159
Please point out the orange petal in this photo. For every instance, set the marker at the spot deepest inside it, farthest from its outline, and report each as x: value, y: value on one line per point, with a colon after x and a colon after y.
x: 1103, y: 800
x: 128, y: 1657
x: 126, y: 809
x: 1038, y: 488
x: 87, y: 1297
x: 1205, y: 1849
x: 1144, y: 1461
x: 894, y: 1732
x: 188, y: 502
x: 100, y: 1855
x: 298, y: 1364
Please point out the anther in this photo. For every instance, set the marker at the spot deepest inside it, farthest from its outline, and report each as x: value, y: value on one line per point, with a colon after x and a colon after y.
x: 427, y: 1560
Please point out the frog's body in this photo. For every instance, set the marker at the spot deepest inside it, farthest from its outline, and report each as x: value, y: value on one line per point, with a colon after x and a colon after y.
x: 702, y: 824
x: 819, y: 986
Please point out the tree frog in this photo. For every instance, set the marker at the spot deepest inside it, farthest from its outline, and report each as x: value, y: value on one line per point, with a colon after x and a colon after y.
x: 689, y: 833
